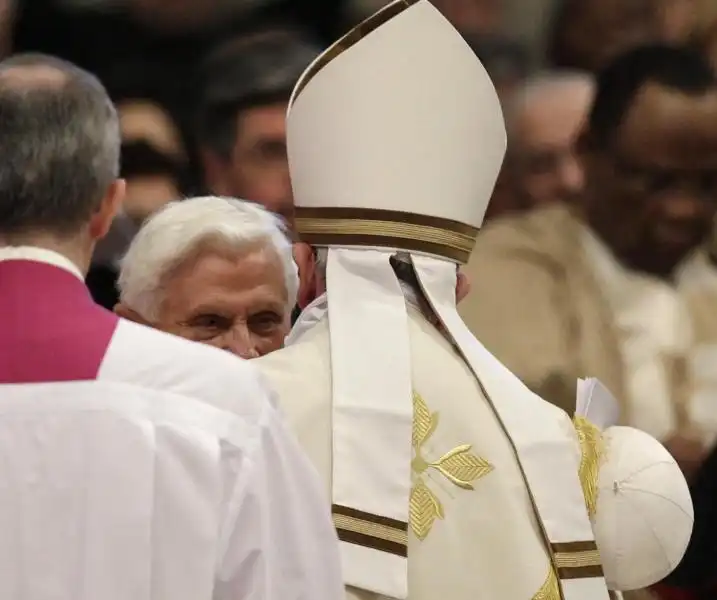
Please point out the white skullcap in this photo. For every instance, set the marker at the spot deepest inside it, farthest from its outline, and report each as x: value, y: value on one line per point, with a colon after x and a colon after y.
x: 644, y: 515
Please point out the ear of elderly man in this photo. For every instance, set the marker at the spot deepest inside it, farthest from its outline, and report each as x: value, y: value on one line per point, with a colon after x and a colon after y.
x: 220, y: 271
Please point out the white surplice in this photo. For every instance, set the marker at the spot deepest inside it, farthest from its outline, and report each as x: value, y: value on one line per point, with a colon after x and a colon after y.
x: 166, y: 474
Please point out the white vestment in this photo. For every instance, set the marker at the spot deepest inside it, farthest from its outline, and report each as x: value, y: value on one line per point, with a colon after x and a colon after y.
x: 473, y: 534
x: 164, y: 473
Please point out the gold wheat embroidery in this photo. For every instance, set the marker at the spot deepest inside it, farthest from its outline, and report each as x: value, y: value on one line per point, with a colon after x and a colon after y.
x: 592, y: 450
x: 459, y: 466
x: 550, y: 589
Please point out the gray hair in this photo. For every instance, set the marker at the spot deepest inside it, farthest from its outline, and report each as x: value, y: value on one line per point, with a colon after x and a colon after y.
x: 60, y: 141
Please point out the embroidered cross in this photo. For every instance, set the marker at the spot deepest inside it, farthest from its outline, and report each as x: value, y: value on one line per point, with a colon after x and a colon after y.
x: 459, y: 466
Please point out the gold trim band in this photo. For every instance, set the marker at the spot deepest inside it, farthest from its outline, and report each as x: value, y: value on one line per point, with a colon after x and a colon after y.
x: 371, y: 531
x: 386, y: 228
x: 577, y: 560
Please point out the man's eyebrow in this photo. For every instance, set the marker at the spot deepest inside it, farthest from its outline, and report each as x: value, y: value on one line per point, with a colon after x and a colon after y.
x: 207, y: 307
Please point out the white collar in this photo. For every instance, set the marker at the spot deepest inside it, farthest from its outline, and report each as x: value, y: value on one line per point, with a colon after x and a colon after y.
x: 41, y: 255
x: 309, y: 317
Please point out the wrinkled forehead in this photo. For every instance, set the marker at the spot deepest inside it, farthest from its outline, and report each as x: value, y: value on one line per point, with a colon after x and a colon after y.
x: 671, y: 129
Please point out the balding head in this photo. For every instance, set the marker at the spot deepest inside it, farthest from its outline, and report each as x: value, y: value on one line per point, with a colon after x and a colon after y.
x: 544, y: 118
x: 60, y: 142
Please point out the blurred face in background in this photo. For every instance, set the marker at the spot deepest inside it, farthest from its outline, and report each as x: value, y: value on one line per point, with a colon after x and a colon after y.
x: 151, y: 162
x: 257, y: 169
x: 152, y: 149
x: 596, y: 31
x: 545, y: 124
x: 652, y: 187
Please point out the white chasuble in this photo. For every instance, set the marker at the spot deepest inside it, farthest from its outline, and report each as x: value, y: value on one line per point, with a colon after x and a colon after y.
x: 542, y: 439
x: 472, y: 530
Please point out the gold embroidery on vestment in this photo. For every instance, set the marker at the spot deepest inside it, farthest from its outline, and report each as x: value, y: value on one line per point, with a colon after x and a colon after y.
x: 592, y: 448
x: 550, y: 589
x: 459, y: 466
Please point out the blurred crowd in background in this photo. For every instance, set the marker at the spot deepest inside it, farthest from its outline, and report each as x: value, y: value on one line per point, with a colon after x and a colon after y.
x: 184, y: 73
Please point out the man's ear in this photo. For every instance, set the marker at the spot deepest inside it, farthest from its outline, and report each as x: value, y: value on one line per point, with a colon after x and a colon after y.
x: 110, y: 206
x: 306, y: 263
x: 124, y: 311
x: 463, y: 286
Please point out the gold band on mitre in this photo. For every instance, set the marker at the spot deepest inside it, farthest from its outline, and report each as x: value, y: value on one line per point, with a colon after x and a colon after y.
x: 333, y: 226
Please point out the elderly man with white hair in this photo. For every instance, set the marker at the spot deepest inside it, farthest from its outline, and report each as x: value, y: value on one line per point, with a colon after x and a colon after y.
x: 213, y: 270
x: 544, y: 117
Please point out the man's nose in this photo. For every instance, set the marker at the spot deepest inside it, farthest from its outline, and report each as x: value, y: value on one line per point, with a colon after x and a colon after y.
x: 239, y: 341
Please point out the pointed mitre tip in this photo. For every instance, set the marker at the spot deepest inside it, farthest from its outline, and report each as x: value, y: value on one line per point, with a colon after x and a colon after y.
x: 398, y: 115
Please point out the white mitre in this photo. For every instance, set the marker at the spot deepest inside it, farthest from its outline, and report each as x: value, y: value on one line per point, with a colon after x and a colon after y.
x: 395, y: 138
x: 639, y: 504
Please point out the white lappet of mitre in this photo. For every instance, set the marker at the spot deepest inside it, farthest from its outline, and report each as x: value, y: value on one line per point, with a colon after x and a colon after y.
x: 395, y: 139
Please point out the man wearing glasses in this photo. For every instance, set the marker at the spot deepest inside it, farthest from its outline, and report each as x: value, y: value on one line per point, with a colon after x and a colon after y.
x: 566, y: 292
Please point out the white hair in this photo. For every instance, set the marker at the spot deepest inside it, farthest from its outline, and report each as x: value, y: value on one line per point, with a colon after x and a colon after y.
x: 180, y: 228
x: 541, y: 86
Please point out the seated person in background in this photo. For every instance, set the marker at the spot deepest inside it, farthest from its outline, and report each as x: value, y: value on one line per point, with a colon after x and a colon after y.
x: 561, y: 293
x: 543, y: 117
x: 153, y: 165
x: 212, y: 270
x: 242, y: 117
